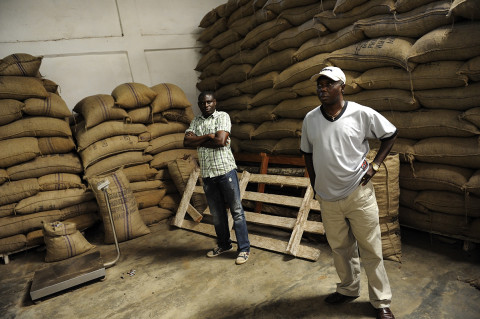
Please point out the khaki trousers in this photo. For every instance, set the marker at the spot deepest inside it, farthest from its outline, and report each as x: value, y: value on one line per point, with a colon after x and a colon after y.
x: 351, y: 224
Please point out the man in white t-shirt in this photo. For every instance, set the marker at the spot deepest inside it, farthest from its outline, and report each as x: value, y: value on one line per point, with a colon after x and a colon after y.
x: 334, y: 143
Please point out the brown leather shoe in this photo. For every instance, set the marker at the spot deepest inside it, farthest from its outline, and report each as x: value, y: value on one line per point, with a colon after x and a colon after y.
x: 337, y: 298
x: 385, y: 313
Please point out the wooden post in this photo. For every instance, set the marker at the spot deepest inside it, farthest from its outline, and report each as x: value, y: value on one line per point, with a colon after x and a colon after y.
x: 261, y: 186
x: 184, y: 206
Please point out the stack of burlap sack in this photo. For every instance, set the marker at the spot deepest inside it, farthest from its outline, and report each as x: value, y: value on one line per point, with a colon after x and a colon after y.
x: 135, y: 131
x: 40, y: 171
x: 416, y: 62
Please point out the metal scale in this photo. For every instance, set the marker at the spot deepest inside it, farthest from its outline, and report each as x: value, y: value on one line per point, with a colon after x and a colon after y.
x: 75, y: 271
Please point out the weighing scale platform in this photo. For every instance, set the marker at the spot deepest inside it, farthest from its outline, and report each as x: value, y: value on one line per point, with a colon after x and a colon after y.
x: 68, y: 274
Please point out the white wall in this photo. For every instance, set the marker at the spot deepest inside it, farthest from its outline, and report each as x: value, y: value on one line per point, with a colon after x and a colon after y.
x: 91, y: 46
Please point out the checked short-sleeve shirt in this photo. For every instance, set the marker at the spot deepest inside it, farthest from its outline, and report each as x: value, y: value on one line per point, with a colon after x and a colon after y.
x: 213, y: 161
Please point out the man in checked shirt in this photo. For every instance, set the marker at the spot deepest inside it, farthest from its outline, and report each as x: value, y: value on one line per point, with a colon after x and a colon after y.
x: 209, y: 133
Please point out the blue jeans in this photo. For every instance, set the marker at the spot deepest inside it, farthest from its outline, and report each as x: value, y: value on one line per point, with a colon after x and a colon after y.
x: 221, y: 191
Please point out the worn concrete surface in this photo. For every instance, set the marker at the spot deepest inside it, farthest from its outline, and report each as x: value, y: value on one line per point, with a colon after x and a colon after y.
x: 174, y: 279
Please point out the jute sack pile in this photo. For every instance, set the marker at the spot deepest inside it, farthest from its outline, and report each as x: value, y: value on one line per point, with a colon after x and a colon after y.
x: 63, y: 241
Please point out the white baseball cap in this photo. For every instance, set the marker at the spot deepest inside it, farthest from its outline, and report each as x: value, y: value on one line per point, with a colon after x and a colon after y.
x: 331, y: 72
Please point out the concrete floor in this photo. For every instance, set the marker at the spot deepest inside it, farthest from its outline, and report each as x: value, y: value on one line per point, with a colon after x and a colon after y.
x: 174, y: 279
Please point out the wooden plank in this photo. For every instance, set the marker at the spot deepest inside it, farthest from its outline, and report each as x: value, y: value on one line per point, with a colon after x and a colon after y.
x: 185, y: 201
x: 283, y: 222
x: 297, y: 233
x: 274, y: 199
x: 193, y: 212
x: 293, y: 181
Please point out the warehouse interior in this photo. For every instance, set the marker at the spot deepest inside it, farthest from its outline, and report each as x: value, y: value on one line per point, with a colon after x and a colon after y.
x: 94, y: 92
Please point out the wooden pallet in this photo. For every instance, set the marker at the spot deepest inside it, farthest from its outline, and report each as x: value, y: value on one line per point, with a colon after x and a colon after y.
x: 297, y: 225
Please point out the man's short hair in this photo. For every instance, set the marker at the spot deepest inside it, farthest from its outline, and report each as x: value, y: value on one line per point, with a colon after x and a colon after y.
x: 205, y: 93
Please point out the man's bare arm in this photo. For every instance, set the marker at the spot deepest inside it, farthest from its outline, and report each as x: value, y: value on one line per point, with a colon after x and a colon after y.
x: 217, y: 140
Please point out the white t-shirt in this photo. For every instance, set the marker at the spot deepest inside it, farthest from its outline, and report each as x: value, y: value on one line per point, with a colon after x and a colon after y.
x: 339, y: 147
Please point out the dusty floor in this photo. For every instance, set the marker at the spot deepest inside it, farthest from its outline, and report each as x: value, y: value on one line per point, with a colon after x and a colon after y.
x: 174, y: 279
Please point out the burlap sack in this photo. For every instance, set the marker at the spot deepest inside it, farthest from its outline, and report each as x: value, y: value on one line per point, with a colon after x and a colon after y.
x: 184, y: 115
x: 288, y: 146
x: 403, y: 147
x: 126, y: 219
x: 241, y: 102
x: 301, y: 71
x: 473, y: 184
x: 256, y: 115
x: 329, y: 43
x: 447, y: 43
x: 7, y: 210
x: 170, y: 202
x: 433, y: 221
x: 114, y: 162
x: 180, y: 171
x: 162, y: 159
x: 208, y: 19
x: 335, y: 22
x: 246, y: 24
x: 278, y: 6
x: 35, y: 238
x: 146, y: 185
x: 149, y: 198
x: 448, y: 203
x: 235, y: 145
x: 243, y: 131
x: 51, y: 200
x: 456, y: 151
x: 228, y: 51
x: 165, y: 143
x: 211, y: 57
x: 10, y: 110
x: 431, y: 123
x: 63, y: 241
x: 402, y: 6
x: 132, y: 95
x: 227, y: 91
x: 50, y: 86
x: 225, y: 38
x: 236, y: 73
x: 254, y: 85
x: 244, y: 10
x: 3, y: 176
x: 21, y: 88
x: 433, y: 75
x: 296, y: 108
x: 469, y: 9
x: 386, y: 100
x: 35, y: 126
x: 20, y: 64
x: 80, y: 209
x: 374, y: 53
x: 141, y: 115
x: 427, y: 176
x: 138, y: 173
x: 278, y: 129
x: 252, y: 56
x: 111, y: 146
x: 342, y: 6
x: 13, y: 243
x: 208, y: 84
x: 163, y: 174
x: 83, y: 221
x: 471, y: 68
x: 413, y: 24
x: 153, y: 215
x: 263, y: 32
x: 18, y: 150
x: 99, y: 108
x: 55, y: 145
x: 258, y: 146
x: 15, y: 191
x: 272, y: 96
x: 60, y: 181
x: 159, y: 129
x: 215, y: 68
x: 301, y: 14
x: 213, y: 30
x: 276, y: 61
x: 461, y: 98
x: 52, y: 106
x: 104, y: 130
x: 169, y: 96
x: 296, y: 36
x: 46, y: 164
